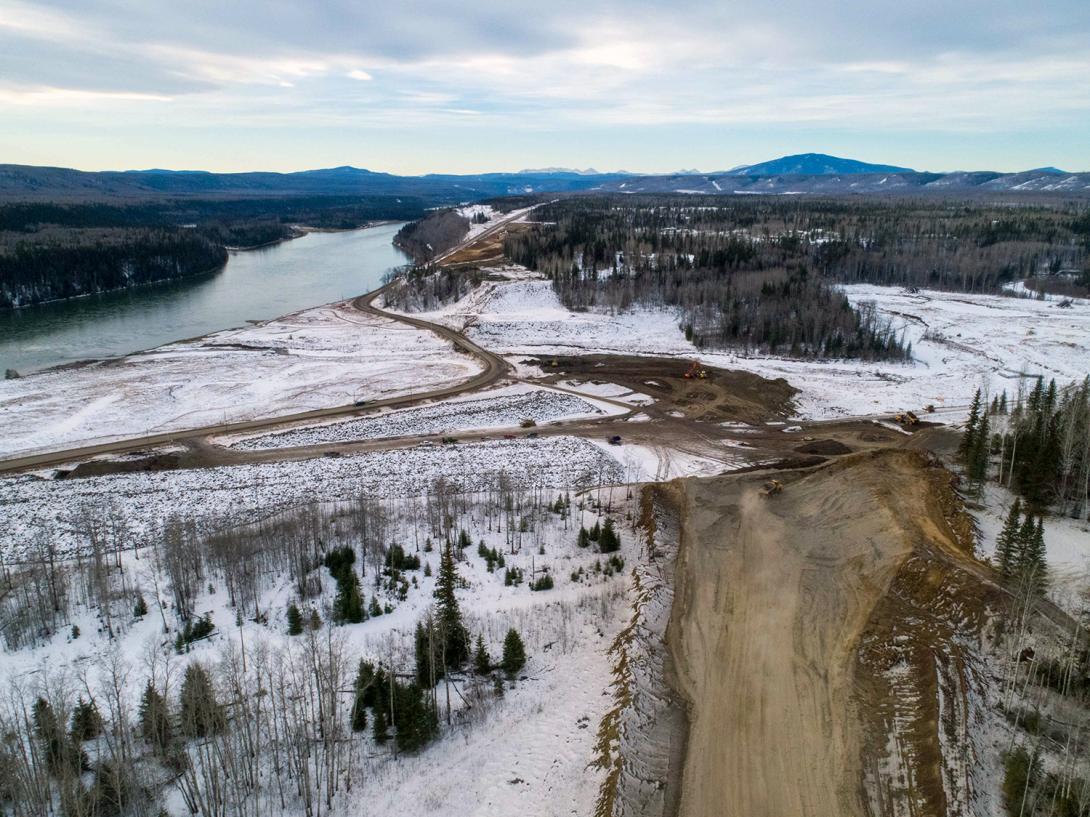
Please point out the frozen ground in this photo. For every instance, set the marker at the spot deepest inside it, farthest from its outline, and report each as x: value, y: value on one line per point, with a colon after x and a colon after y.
x: 523, y: 753
x: 1067, y: 546
x: 317, y: 358
x: 485, y: 210
x: 213, y: 497
x: 1020, y: 290
x: 960, y: 342
x: 506, y: 407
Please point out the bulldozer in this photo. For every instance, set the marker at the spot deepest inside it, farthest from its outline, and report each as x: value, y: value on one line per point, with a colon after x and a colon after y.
x: 772, y: 487
x: 696, y: 371
x: 907, y: 418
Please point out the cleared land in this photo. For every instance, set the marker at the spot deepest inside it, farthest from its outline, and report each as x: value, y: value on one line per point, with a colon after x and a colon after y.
x: 773, y: 597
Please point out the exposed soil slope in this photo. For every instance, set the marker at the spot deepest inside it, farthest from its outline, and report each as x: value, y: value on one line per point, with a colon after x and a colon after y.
x: 774, y: 597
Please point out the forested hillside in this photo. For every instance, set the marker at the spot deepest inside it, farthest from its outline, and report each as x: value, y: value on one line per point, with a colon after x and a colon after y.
x: 79, y: 262
x: 50, y: 250
x: 756, y: 273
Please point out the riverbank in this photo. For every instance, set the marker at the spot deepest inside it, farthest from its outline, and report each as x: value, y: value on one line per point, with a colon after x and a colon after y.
x: 315, y: 268
x: 313, y: 359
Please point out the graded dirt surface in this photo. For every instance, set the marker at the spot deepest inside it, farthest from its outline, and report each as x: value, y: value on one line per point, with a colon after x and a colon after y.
x: 774, y: 595
x: 722, y: 395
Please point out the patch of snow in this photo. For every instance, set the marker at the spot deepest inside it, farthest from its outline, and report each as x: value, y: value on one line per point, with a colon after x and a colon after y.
x: 318, y: 358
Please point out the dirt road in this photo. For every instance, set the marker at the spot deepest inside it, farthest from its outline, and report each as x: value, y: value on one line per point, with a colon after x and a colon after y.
x: 773, y: 594
x: 495, y: 368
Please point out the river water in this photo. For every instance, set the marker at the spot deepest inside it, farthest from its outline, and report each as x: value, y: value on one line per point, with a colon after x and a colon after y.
x: 255, y: 285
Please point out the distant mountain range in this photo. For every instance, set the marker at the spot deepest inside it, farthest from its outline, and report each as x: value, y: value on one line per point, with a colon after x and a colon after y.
x: 806, y: 173
x: 30, y: 183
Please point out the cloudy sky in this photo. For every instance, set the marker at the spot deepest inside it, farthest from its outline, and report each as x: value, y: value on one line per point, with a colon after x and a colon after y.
x: 414, y: 86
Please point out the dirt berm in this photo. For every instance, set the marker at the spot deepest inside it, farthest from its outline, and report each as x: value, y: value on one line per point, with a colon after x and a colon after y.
x: 773, y: 597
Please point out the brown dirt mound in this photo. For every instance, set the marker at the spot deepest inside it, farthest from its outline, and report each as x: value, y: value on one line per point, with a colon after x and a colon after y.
x: 773, y: 600
x: 719, y: 396
x: 97, y: 468
x: 824, y: 447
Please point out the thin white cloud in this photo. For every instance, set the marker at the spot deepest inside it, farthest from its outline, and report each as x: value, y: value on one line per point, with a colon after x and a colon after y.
x: 60, y: 97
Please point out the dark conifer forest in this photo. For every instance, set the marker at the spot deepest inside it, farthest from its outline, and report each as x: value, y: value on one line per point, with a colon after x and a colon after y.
x: 756, y: 273
x: 51, y: 251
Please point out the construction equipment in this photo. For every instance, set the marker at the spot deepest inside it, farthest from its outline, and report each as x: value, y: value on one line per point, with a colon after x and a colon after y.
x: 929, y: 408
x: 772, y: 487
x: 696, y: 371
x: 907, y: 418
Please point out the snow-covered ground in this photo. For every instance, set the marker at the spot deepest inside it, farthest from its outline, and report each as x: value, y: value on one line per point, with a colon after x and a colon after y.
x: 505, y: 407
x: 471, y: 211
x: 960, y: 342
x: 1019, y: 290
x: 213, y: 497
x: 522, y: 315
x: 1067, y: 546
x: 523, y: 753
x: 328, y: 356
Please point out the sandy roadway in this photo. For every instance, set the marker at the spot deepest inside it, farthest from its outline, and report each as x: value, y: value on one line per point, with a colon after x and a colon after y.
x: 773, y: 594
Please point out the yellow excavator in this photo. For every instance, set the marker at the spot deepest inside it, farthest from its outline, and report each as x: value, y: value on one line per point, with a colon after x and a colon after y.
x: 696, y: 371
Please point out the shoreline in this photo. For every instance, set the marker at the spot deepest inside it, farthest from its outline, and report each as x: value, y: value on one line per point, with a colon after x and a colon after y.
x: 301, y: 231
x: 89, y: 361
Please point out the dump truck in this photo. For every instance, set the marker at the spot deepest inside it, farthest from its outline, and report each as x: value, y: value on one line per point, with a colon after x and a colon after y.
x: 771, y: 488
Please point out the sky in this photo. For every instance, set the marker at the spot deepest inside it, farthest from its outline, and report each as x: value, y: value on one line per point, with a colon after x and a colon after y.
x: 417, y: 86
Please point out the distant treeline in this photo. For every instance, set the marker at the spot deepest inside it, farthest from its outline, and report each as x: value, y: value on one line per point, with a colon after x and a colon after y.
x: 974, y: 246
x: 82, y: 262
x: 732, y: 291
x: 50, y: 251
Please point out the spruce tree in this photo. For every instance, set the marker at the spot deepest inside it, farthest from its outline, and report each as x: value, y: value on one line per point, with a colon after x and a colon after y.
x: 978, y: 454
x: 199, y: 713
x: 86, y: 722
x: 378, y: 726
x: 1006, y: 546
x: 154, y: 717
x: 359, y: 713
x: 295, y: 620
x: 348, y: 603
x: 448, y: 614
x: 140, y: 607
x: 514, y: 653
x: 482, y: 664
x: 417, y: 721
x: 608, y: 541
x: 1036, y: 564
x: 63, y: 757
x: 1024, y: 546
x: 428, y: 669
x: 968, y: 439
